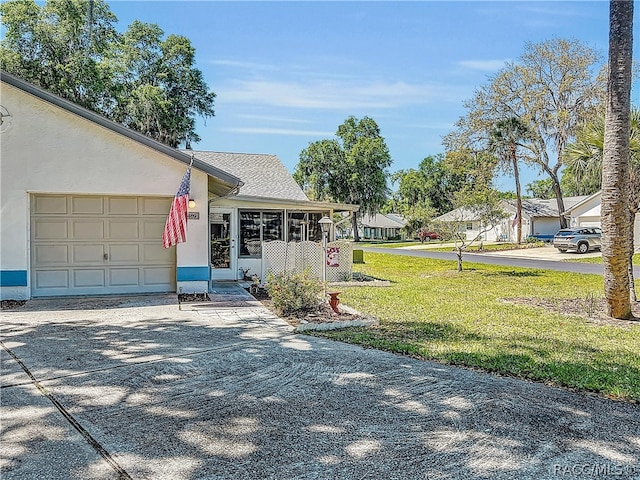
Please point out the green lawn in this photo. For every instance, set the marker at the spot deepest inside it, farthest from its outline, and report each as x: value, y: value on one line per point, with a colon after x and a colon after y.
x: 435, y: 313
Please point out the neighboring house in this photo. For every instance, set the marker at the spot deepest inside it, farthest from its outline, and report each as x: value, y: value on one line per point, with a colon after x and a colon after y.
x: 84, y: 203
x: 469, y: 225
x: 587, y: 214
x: 539, y: 219
x: 381, y: 227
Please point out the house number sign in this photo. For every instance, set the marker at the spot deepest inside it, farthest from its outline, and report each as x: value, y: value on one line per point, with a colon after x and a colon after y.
x: 193, y: 215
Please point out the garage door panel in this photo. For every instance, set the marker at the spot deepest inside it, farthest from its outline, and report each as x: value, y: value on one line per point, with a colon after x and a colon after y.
x: 155, y: 206
x: 50, y: 204
x: 122, y: 206
x: 124, y: 229
x: 71, y: 234
x: 52, y: 279
x: 92, y: 205
x: 88, y: 278
x: 158, y: 276
x: 88, y: 229
x: 51, y: 254
x: 87, y: 254
x: 156, y: 254
x: 153, y: 229
x: 124, y: 277
x: 124, y: 253
x: 55, y: 229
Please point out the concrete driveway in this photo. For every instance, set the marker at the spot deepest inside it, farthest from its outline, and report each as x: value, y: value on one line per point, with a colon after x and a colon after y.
x: 139, y: 388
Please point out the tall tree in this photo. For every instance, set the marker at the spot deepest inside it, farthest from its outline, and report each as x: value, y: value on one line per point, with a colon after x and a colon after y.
x: 350, y: 169
x: 505, y: 139
x: 551, y: 89
x: 541, y: 188
x: 139, y: 79
x: 615, y: 161
x: 431, y: 183
x: 584, y: 170
x: 161, y: 92
x: 60, y: 47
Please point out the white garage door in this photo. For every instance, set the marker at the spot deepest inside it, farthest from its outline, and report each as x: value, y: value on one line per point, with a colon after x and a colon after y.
x: 93, y: 245
x: 589, y: 221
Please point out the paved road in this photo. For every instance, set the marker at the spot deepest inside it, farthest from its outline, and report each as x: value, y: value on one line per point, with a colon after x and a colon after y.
x: 139, y: 388
x: 501, y: 258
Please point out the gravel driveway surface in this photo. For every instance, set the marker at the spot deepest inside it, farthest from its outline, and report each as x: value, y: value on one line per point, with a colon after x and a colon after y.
x: 139, y: 388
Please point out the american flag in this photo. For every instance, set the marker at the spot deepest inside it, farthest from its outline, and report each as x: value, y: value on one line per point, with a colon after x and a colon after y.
x: 175, y: 228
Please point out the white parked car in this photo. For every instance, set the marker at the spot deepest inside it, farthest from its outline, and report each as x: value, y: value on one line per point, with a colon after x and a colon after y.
x: 580, y: 239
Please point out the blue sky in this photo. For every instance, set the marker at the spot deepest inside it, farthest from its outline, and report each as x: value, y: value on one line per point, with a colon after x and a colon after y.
x: 289, y: 73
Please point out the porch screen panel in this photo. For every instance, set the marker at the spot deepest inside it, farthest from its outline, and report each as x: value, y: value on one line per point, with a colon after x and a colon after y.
x: 272, y: 222
x: 249, y: 234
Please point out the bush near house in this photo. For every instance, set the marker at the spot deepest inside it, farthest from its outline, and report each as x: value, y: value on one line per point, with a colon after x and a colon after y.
x: 294, y: 292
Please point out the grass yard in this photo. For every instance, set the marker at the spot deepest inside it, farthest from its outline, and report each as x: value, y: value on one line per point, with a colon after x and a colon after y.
x: 487, y: 317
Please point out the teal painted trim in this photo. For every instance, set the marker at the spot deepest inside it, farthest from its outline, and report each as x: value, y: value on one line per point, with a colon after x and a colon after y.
x: 13, y: 278
x: 193, y: 274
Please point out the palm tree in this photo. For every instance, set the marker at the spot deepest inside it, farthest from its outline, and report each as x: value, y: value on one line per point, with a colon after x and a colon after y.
x: 584, y: 158
x: 615, y: 161
x: 504, y: 140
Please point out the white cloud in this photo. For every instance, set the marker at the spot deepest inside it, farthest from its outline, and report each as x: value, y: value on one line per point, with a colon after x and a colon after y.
x: 324, y: 94
x: 272, y: 118
x: 253, y: 66
x: 483, y: 65
x: 278, y: 131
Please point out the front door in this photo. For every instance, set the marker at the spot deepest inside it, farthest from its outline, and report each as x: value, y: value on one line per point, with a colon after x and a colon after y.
x: 223, y: 244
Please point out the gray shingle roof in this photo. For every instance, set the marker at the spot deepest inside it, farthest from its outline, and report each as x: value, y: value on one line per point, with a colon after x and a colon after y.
x: 536, y: 207
x: 381, y: 221
x: 263, y: 175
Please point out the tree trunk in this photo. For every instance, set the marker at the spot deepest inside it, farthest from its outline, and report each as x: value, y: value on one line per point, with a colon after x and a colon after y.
x: 632, y: 282
x: 354, y: 227
x: 516, y: 175
x: 559, y: 201
x: 615, y: 161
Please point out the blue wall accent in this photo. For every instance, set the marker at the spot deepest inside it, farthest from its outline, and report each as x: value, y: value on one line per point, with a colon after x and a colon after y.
x: 193, y: 274
x: 13, y: 278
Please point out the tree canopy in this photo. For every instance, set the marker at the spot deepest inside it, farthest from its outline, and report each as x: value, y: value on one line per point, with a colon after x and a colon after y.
x: 139, y: 78
x: 349, y: 169
x: 553, y: 88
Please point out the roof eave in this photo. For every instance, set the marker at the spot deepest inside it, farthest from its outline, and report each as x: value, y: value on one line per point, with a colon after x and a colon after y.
x: 299, y: 203
x: 226, y: 178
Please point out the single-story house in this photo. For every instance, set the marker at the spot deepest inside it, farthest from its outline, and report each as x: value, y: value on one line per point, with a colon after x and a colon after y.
x: 587, y: 214
x: 84, y: 204
x: 539, y: 219
x: 468, y: 223
x: 381, y: 226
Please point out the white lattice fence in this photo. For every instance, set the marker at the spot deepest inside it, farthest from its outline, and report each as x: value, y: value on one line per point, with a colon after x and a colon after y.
x: 279, y: 256
x: 342, y: 271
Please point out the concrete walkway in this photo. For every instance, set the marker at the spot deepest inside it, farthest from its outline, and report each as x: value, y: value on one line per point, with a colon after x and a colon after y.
x: 141, y: 388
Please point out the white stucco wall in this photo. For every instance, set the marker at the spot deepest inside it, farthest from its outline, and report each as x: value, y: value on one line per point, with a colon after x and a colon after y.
x: 49, y: 150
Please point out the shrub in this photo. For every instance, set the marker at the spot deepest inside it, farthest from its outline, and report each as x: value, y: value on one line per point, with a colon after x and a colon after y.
x: 294, y: 292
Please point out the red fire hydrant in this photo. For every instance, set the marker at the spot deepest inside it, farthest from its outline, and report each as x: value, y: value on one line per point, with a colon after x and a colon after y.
x: 334, y: 300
